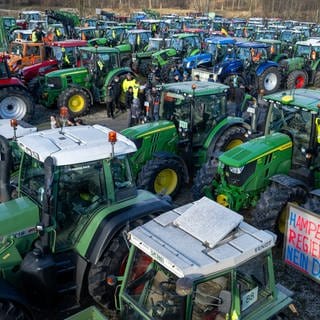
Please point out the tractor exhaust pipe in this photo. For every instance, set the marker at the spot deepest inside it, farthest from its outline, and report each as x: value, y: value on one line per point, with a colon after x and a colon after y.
x: 5, y: 169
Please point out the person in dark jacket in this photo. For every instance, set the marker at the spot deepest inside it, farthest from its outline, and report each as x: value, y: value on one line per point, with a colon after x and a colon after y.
x: 239, y: 94
x: 116, y: 88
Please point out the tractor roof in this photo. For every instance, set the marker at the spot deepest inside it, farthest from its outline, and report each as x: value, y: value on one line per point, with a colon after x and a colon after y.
x: 218, y: 236
x: 77, y: 144
x: 314, y: 42
x: 202, y: 88
x: 185, y: 35
x: 100, y: 49
x: 22, y: 129
x: 252, y: 45
x: 303, y: 98
x: 69, y: 43
x: 220, y: 40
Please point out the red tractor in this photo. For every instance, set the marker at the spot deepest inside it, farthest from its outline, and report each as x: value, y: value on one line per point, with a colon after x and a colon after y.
x: 15, y: 99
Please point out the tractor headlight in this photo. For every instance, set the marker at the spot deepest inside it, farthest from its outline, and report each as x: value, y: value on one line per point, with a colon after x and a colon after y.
x: 236, y: 170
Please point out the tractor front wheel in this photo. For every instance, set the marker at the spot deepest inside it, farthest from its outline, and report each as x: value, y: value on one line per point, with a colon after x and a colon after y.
x: 297, y: 79
x: 16, y: 103
x: 270, y: 80
x: 11, y: 311
x: 76, y: 100
x: 270, y: 211
x: 316, y: 81
x: 161, y: 176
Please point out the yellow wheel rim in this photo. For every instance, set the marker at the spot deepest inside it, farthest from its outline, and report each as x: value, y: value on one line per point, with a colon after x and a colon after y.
x: 166, y: 181
x: 223, y: 200
x: 76, y: 103
x: 233, y: 144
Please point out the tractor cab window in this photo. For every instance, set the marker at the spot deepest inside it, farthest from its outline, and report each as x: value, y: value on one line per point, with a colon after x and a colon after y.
x: 175, y: 107
x: 122, y: 179
x: 207, y: 112
x: 302, y: 51
x: 177, y: 44
x: 212, y: 298
x: 153, y: 289
x: 32, y: 178
x: 252, y: 282
x: 33, y: 50
x: 81, y: 188
x: 297, y: 123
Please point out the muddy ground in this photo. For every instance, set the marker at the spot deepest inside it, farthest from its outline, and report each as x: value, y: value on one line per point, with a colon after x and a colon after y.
x: 306, y: 291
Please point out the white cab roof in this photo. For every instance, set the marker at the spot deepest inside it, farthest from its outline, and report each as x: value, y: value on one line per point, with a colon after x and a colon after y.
x: 200, y: 238
x: 75, y: 144
x: 23, y: 129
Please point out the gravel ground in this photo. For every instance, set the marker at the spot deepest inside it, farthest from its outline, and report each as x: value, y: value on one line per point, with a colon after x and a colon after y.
x: 306, y: 291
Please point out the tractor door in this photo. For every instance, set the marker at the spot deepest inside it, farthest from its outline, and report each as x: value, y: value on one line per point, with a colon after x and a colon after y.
x: 254, y: 284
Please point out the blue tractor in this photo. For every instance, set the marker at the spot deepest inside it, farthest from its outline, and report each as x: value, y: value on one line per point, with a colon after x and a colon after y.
x: 216, y: 49
x: 249, y: 66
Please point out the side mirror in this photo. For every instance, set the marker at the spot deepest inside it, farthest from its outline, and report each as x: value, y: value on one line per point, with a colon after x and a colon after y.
x: 225, y: 298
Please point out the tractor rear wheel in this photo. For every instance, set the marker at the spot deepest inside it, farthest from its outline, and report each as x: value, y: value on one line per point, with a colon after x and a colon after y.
x: 270, y: 211
x: 76, y: 100
x: 203, y: 179
x: 229, y: 139
x: 297, y: 79
x: 312, y: 204
x: 16, y: 103
x: 316, y: 82
x: 270, y: 80
x: 161, y: 176
x: 12, y: 311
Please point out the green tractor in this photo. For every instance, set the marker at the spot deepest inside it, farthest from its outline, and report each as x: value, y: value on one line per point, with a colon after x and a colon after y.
x: 194, y: 127
x: 228, y: 274
x: 262, y: 175
x: 303, y: 68
x: 182, y: 45
x: 63, y: 225
x: 80, y: 88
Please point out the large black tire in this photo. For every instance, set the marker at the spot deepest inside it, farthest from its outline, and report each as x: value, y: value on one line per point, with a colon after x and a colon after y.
x: 270, y: 80
x: 11, y: 311
x: 203, y: 179
x: 112, y: 262
x: 16, y: 103
x: 76, y: 100
x: 161, y: 176
x: 316, y: 81
x: 229, y: 139
x: 297, y: 79
x: 269, y: 212
x: 312, y: 204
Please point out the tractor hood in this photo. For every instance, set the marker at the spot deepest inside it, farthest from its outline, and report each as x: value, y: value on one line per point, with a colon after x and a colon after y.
x: 69, y: 71
x: 292, y: 64
x: 198, y: 59
x: 18, y: 217
x: 142, y: 130
x: 228, y: 67
x: 254, y: 149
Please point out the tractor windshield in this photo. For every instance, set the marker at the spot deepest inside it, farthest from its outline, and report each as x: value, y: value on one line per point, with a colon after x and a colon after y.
x: 201, y: 113
x: 297, y: 123
x: 177, y: 44
x: 32, y: 178
x: 152, y: 289
x: 302, y: 51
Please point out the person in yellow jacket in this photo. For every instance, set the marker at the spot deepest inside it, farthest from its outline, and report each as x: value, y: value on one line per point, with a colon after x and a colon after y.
x: 129, y: 81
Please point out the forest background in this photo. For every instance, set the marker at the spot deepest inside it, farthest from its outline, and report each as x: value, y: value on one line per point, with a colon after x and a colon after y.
x: 307, y: 10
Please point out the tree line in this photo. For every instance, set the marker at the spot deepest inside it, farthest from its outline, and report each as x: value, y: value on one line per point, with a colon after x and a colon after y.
x: 307, y: 10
